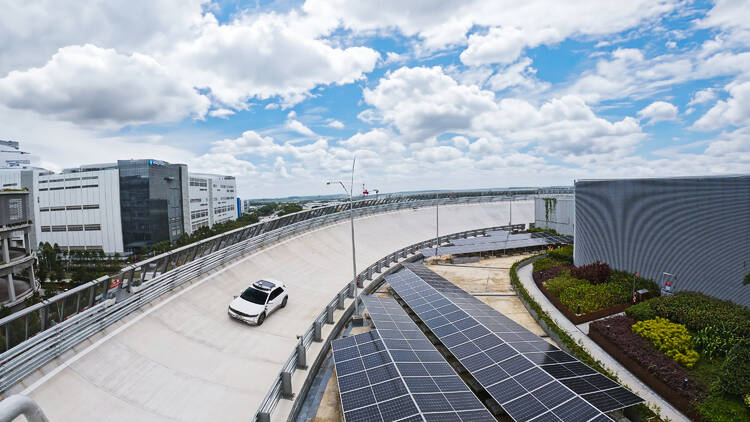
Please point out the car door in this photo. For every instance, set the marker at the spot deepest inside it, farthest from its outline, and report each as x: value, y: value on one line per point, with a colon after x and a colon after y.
x: 274, y: 300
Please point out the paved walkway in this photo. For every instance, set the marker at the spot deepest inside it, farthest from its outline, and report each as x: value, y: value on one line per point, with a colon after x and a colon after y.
x: 627, y: 378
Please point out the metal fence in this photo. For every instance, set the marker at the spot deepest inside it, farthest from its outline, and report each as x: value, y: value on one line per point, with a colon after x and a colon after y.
x: 282, y: 386
x: 35, y: 335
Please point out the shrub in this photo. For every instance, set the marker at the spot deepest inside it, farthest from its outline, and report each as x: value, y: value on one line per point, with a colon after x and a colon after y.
x: 746, y: 280
x: 546, y: 275
x: 575, y: 293
x: 672, y: 339
x: 715, y: 340
x: 564, y: 254
x: 718, y: 407
x: 641, y: 311
x: 736, y: 369
x: 640, y: 282
x: 595, y: 273
x: 618, y: 331
x: 698, y: 311
x: 542, y: 264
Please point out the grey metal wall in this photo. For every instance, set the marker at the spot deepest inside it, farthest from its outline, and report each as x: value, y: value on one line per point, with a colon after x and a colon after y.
x: 557, y: 212
x: 697, y: 228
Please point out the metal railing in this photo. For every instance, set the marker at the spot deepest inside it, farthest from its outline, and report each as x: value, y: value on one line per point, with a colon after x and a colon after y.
x: 17, y: 405
x: 282, y: 386
x: 35, y: 335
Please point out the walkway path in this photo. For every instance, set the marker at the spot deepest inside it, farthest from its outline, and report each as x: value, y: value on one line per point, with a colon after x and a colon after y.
x: 627, y: 378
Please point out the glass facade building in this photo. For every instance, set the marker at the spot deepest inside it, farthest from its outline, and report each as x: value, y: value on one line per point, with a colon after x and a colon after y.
x: 153, y: 201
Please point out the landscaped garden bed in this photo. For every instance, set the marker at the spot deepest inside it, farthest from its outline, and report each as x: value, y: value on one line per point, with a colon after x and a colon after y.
x: 692, y: 349
x: 588, y: 292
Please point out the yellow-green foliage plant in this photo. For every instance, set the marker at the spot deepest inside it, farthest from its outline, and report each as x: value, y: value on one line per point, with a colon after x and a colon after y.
x: 672, y: 339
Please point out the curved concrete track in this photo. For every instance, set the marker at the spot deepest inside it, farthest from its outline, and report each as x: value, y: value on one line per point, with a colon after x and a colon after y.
x: 183, y: 359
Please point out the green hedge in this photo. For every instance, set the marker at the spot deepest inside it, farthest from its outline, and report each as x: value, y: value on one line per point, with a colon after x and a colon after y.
x: 717, y: 324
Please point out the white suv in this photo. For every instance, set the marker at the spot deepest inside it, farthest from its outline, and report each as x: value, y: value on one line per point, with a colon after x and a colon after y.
x: 258, y: 301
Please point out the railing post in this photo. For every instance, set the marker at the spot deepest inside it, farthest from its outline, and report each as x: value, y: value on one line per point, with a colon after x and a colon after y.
x: 264, y: 417
x: 350, y: 290
x: 286, y: 385
x: 340, y: 301
x: 329, y: 314
x: 301, y: 353
x: 317, y: 331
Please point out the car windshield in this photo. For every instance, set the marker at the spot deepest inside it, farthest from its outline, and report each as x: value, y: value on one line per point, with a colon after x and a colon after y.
x: 255, y: 296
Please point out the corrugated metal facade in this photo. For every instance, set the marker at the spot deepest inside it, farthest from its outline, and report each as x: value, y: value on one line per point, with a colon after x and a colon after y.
x: 695, y: 228
x: 555, y: 212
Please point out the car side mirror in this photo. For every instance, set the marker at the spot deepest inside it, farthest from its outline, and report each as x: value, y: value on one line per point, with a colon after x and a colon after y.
x: 235, y: 297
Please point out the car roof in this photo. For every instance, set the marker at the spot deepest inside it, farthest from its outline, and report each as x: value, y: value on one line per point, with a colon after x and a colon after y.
x: 265, y: 284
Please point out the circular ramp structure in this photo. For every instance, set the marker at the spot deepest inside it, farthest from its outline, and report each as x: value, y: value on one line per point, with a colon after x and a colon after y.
x: 182, y: 358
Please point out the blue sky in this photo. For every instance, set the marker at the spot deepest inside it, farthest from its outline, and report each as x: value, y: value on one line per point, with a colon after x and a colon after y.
x: 426, y: 94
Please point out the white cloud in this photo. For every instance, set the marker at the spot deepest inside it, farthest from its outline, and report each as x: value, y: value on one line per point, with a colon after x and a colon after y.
x: 505, y: 44
x: 336, y: 124
x: 519, y: 75
x: 422, y: 103
x: 438, y: 154
x: 734, y: 111
x: 95, y: 86
x: 703, y: 96
x: 658, y: 111
x: 264, y: 56
x: 222, y: 113
x: 299, y: 127
x: 460, y: 141
x: 446, y: 22
x: 31, y: 32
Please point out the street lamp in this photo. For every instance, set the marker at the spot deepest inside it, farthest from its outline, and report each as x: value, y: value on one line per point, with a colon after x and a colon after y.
x: 351, y: 220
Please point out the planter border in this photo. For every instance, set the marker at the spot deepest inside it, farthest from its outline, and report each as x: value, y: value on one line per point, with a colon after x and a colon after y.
x: 676, y: 400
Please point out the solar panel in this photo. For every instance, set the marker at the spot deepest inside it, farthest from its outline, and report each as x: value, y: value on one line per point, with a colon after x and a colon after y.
x: 438, y: 391
x: 519, y: 369
x: 370, y: 386
x: 496, y: 240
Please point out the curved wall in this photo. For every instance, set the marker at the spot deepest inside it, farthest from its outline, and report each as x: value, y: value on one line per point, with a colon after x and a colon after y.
x: 695, y: 228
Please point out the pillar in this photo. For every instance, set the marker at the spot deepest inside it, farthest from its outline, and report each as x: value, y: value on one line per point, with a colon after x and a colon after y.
x: 6, y: 258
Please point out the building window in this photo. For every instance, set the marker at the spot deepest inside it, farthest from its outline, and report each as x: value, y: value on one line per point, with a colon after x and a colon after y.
x: 57, y: 209
x: 73, y: 207
x: 43, y: 209
x: 45, y: 228
x: 91, y: 207
x: 89, y: 186
x: 75, y: 228
x: 89, y: 178
x: 92, y: 227
x: 58, y: 228
x: 58, y: 188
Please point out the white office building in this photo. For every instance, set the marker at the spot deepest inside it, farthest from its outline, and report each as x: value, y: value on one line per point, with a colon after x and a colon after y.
x: 80, y: 208
x: 212, y: 200
x: 11, y: 156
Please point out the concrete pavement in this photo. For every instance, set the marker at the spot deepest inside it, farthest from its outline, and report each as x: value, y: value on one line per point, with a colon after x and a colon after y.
x: 183, y: 359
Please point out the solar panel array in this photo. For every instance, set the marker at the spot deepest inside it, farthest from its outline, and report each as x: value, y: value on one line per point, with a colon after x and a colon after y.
x: 530, y: 378
x: 439, y: 392
x: 394, y: 373
x: 496, y: 240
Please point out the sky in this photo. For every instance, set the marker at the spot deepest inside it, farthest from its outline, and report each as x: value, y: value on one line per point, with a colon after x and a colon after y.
x: 435, y: 94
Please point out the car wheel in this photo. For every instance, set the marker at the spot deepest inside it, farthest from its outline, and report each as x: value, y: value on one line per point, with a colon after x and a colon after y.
x: 283, y: 302
x: 261, y: 318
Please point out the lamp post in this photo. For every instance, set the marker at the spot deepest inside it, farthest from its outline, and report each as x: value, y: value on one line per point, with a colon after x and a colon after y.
x: 351, y: 220
x: 437, y: 222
